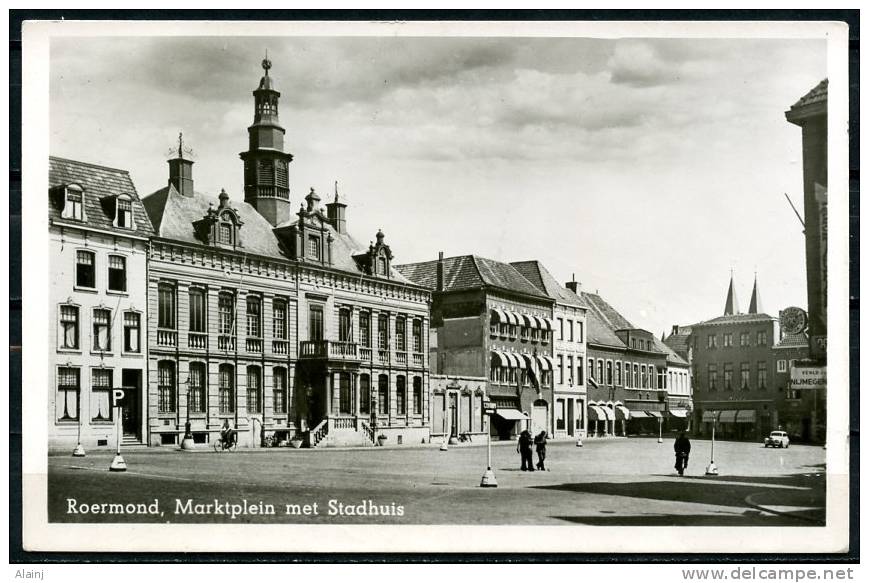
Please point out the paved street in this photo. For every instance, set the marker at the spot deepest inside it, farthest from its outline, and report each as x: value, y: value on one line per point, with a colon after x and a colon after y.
x: 606, y: 482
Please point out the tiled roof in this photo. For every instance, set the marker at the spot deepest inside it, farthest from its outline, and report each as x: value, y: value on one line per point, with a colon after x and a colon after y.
x: 598, y: 332
x: 539, y: 276
x: 735, y: 319
x: 101, y: 185
x: 606, y: 312
x: 469, y: 272
x: 672, y: 356
x: 679, y: 342
x: 800, y: 340
x: 816, y: 95
x: 173, y: 216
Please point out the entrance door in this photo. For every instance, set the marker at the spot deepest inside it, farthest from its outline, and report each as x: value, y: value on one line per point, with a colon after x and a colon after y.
x: 131, y: 418
x: 570, y: 422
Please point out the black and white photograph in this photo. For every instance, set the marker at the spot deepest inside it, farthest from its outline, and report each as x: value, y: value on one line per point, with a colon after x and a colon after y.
x: 348, y: 285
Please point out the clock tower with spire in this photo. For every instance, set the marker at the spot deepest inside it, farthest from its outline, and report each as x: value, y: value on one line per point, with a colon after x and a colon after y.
x: 266, y: 165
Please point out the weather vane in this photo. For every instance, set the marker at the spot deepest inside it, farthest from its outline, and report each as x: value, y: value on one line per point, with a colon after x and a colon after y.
x: 181, y: 150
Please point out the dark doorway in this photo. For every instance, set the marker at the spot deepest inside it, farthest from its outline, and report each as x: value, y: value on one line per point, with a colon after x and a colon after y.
x: 131, y: 415
x: 454, y: 415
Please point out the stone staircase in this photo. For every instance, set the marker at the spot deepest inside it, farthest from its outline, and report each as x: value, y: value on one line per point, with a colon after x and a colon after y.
x: 341, y: 432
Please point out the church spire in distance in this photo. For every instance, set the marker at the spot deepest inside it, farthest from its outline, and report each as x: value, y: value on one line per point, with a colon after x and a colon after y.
x: 754, y: 306
x: 731, y: 306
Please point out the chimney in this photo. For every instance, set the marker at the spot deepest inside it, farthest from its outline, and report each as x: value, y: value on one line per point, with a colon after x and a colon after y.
x: 573, y: 285
x: 440, y: 277
x: 336, y: 213
x: 181, y: 175
x: 675, y: 330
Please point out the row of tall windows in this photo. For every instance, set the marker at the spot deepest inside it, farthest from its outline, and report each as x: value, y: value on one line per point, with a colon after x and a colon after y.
x: 382, y: 402
x: 566, y: 330
x: 631, y: 375
x: 102, y: 323
x: 345, y: 329
x: 745, y: 339
x: 86, y: 271
x: 197, y: 385
x: 69, y: 389
x: 745, y: 376
x: 566, y: 375
x: 513, y: 331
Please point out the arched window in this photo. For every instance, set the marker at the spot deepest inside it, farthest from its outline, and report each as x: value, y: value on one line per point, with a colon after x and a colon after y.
x: 364, y: 394
x: 196, y: 384
x: 226, y: 389
x: 166, y: 386
x: 383, y: 394
x: 279, y: 390
x: 254, y: 386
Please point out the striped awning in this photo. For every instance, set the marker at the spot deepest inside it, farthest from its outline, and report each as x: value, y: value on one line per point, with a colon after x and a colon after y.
x: 513, y: 318
x: 596, y: 413
x: 610, y: 414
x: 500, y: 358
x: 530, y: 360
x: 550, y: 325
x: 746, y: 416
x: 709, y: 416
x: 530, y: 321
x: 728, y: 416
x: 546, y: 363
x: 623, y: 411
x: 541, y: 322
x: 516, y: 360
x: 499, y: 316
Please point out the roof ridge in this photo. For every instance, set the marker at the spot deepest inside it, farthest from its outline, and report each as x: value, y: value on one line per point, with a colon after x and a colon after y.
x: 91, y: 164
x: 477, y: 267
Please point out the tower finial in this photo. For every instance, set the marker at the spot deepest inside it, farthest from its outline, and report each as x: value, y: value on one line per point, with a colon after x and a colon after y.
x: 336, y: 191
x: 180, y: 144
x: 267, y: 64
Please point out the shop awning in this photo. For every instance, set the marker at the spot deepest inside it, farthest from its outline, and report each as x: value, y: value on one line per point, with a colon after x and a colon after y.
x: 499, y: 316
x: 511, y: 358
x: 679, y: 412
x: 541, y: 322
x: 546, y: 363
x: 623, y: 411
x: 500, y: 359
x: 610, y: 415
x: 530, y: 322
x: 513, y: 318
x: 548, y: 323
x: 746, y: 416
x: 709, y: 416
x: 530, y: 360
x: 520, y: 361
x: 654, y: 414
x: 511, y: 414
x: 637, y: 414
x: 596, y: 413
x: 728, y: 416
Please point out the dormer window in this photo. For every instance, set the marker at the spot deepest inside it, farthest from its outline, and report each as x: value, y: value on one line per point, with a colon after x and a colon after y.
x: 73, y: 204
x: 314, y: 248
x: 124, y: 212
x: 224, y: 233
x: 381, y: 265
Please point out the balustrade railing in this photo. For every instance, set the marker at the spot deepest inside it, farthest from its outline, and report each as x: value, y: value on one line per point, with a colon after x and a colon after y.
x: 343, y: 422
x: 167, y: 338
x: 197, y: 340
x: 365, y: 353
x: 280, y: 346
x: 382, y: 356
x: 418, y: 359
x: 328, y: 349
x: 253, y: 344
x: 401, y: 358
x: 225, y: 342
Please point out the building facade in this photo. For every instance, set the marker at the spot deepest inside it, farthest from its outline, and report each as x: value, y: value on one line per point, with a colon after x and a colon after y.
x: 800, y: 409
x: 457, y: 407
x: 733, y: 366
x: 488, y: 320
x: 282, y: 326
x: 628, y: 371
x: 98, y: 244
x: 569, y: 333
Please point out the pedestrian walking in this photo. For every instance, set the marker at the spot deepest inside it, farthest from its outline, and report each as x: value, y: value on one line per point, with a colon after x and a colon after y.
x: 682, y: 447
x: 523, y: 447
x: 540, y: 446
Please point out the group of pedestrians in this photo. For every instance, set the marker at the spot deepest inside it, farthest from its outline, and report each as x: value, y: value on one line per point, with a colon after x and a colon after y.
x: 523, y: 448
x: 682, y: 448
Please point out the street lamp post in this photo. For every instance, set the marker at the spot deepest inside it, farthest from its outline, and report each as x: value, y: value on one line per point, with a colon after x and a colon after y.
x: 660, y: 426
x: 187, y: 442
x: 712, y: 469
x: 488, y: 480
x: 79, y: 448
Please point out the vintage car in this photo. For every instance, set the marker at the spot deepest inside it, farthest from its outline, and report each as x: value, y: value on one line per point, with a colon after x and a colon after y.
x: 777, y: 439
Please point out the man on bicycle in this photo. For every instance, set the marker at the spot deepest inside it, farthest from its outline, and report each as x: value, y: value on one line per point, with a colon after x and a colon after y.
x: 227, y: 434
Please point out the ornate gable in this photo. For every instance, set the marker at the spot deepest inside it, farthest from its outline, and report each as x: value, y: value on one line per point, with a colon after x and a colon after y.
x: 378, y: 260
x: 220, y: 226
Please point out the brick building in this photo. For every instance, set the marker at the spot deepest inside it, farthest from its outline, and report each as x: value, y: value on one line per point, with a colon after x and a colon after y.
x: 488, y: 320
x: 98, y: 242
x: 283, y: 325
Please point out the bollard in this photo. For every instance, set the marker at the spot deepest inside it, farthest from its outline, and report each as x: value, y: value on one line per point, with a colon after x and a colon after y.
x: 79, y: 451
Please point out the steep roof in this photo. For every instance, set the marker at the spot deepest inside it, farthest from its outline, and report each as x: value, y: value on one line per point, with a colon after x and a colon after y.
x: 605, y: 312
x: 816, y: 95
x: 672, y: 356
x: 598, y: 332
x: 539, y: 276
x: 173, y: 215
x: 679, y: 342
x: 101, y: 185
x: 470, y: 272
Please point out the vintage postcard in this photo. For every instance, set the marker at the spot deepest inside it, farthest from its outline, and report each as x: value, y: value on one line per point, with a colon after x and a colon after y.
x: 342, y: 286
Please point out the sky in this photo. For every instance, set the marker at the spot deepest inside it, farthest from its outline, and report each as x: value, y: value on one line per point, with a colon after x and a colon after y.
x: 647, y: 168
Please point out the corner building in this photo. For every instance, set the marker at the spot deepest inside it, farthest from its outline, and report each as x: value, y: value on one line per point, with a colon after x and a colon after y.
x: 281, y: 324
x: 98, y: 244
